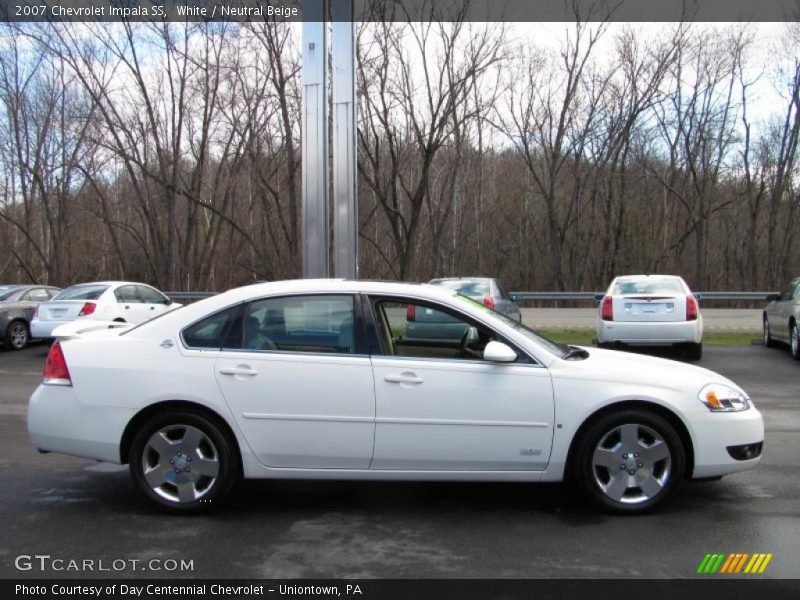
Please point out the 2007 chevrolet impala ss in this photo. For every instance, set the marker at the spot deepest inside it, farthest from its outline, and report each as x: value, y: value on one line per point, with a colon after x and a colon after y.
x: 317, y: 379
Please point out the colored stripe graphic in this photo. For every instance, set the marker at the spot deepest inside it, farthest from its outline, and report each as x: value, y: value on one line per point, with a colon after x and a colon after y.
x: 722, y: 563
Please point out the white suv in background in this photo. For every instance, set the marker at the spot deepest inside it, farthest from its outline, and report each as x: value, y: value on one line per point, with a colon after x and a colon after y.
x: 650, y: 310
x: 115, y: 301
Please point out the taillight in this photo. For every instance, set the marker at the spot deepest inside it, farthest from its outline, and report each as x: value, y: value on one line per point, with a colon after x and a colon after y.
x: 608, y: 309
x: 55, y: 369
x: 88, y: 308
x: 411, y: 312
x: 691, y: 308
x: 489, y: 302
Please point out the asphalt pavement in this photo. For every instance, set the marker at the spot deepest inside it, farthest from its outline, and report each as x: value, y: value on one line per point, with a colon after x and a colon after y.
x: 74, y: 509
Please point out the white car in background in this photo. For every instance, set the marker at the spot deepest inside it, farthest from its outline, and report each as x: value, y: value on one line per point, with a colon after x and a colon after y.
x: 108, y: 301
x: 650, y: 310
x: 310, y: 380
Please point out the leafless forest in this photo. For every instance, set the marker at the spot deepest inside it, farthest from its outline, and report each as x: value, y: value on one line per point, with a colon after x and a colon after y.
x: 170, y: 154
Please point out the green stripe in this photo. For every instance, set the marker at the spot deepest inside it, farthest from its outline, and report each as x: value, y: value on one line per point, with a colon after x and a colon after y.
x: 703, y: 564
x: 718, y: 564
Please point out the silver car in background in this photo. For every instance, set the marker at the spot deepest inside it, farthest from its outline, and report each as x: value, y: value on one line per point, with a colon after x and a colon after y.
x: 17, y: 304
x: 781, y: 318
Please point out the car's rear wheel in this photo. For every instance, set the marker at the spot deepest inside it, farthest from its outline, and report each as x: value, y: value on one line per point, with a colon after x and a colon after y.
x: 694, y: 351
x: 629, y: 461
x: 768, y: 341
x: 16, y: 337
x: 794, y: 340
x: 184, y: 462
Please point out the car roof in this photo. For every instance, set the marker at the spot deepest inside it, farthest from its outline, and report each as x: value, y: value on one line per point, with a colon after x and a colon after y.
x: 461, y: 279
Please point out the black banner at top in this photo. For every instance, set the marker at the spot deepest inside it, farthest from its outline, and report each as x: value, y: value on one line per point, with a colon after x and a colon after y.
x: 403, y: 10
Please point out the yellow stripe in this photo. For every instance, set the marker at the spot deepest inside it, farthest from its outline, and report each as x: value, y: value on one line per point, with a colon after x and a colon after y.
x: 765, y: 563
x: 741, y: 562
x: 750, y: 564
x: 758, y: 563
x: 724, y: 568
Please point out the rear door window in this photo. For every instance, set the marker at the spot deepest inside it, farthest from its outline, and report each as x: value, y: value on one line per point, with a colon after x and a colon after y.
x: 317, y: 324
x: 127, y: 294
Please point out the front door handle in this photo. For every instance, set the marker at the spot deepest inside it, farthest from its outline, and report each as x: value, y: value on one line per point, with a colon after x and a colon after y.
x: 240, y: 370
x: 405, y: 377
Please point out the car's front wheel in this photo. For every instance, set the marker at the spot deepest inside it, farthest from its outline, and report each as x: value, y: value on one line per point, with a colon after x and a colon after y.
x: 629, y: 461
x: 184, y: 462
x: 16, y: 337
x: 794, y: 340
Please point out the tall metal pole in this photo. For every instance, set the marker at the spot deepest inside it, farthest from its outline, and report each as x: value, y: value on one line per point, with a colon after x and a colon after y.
x: 314, y: 140
x: 345, y: 198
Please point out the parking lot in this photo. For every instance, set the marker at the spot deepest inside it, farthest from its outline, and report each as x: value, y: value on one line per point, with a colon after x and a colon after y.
x: 76, y: 509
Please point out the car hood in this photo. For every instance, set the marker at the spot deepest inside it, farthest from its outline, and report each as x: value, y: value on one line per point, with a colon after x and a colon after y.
x: 627, y: 367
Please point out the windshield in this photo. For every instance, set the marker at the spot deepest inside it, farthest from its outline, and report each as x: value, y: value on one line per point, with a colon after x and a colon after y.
x: 7, y: 293
x: 465, y: 287
x: 81, y: 292
x: 647, y: 286
x: 560, y: 350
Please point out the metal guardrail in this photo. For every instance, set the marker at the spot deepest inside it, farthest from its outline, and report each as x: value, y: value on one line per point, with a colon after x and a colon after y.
x: 565, y: 296
x: 552, y: 296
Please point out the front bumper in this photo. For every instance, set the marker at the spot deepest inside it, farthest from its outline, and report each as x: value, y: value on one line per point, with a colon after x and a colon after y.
x: 58, y: 422
x: 715, y: 433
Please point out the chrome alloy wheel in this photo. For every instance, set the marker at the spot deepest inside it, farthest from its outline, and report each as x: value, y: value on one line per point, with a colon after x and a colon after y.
x: 631, y: 463
x: 180, y: 463
x: 794, y: 341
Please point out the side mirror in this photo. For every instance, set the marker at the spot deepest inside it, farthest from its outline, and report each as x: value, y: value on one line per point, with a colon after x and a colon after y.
x: 697, y: 296
x: 599, y: 297
x: 499, y: 352
x: 516, y: 298
x: 774, y: 297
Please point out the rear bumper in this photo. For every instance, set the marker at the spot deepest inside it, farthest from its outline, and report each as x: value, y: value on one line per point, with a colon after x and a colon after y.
x: 650, y: 333
x: 58, y: 422
x: 44, y: 329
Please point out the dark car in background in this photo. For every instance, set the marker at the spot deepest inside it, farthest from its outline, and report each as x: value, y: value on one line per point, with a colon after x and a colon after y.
x: 486, y: 290
x: 782, y: 316
x: 432, y: 324
x: 17, y: 305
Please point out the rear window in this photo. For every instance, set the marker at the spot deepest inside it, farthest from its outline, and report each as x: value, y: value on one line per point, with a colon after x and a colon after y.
x: 81, y: 292
x: 473, y: 289
x: 647, y: 287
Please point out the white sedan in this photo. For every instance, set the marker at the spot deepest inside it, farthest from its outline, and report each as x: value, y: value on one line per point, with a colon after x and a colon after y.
x: 108, y: 301
x: 315, y: 379
x: 650, y: 310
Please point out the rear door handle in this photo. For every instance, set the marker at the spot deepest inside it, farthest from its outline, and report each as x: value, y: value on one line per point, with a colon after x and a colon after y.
x: 406, y: 377
x: 241, y: 370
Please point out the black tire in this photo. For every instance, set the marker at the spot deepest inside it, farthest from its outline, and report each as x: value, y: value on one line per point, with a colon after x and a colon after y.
x: 667, y: 472
x: 17, y: 335
x: 794, y: 340
x: 208, y: 492
x: 768, y: 341
x: 694, y: 351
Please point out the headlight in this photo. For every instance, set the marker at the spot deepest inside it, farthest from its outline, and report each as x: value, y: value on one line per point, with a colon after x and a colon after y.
x: 723, y: 398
